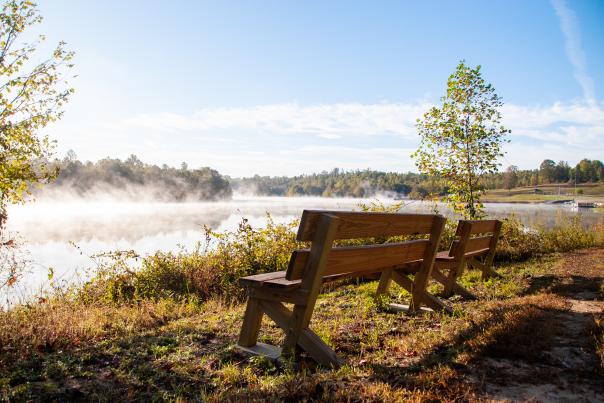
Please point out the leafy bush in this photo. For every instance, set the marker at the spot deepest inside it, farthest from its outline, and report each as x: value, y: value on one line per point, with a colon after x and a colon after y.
x: 516, y: 241
x: 519, y: 242
x: 211, y: 270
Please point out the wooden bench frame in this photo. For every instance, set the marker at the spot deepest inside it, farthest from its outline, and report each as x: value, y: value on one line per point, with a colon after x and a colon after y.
x: 469, y: 249
x: 309, y: 268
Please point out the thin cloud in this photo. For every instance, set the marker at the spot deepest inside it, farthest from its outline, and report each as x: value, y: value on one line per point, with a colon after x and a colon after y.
x: 574, y: 124
x: 564, y: 123
x: 290, y: 139
x: 570, y: 28
x: 328, y: 121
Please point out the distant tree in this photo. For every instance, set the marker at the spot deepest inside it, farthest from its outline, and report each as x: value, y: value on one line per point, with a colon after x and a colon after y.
x: 562, y: 172
x: 70, y: 156
x: 134, y: 161
x: 547, y: 171
x: 31, y: 96
x: 461, y: 140
x: 510, y: 177
x: 583, y: 171
x: 597, y: 171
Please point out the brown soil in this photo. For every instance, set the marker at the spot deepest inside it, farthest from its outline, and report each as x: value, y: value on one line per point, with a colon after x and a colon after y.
x: 569, y: 367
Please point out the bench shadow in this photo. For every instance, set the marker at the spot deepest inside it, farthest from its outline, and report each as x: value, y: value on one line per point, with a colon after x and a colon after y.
x: 495, y: 341
x: 564, y: 286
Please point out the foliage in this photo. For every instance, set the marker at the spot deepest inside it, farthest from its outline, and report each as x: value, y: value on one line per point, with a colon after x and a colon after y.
x: 13, y: 261
x: 519, y: 242
x: 461, y: 140
x: 368, y: 183
x: 133, y: 179
x: 589, y: 171
x: 211, y: 270
x: 336, y: 183
x: 31, y: 96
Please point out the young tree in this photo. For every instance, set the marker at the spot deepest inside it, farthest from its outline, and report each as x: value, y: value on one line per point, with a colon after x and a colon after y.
x: 31, y: 96
x: 461, y: 140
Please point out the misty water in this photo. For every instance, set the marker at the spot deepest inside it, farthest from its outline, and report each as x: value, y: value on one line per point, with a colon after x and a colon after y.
x: 63, y: 234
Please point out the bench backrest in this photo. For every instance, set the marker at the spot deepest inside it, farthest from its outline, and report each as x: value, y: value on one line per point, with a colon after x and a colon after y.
x: 475, y: 238
x: 365, y: 259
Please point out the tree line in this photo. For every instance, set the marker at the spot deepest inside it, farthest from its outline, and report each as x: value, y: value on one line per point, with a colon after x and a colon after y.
x: 180, y: 184
x: 336, y: 183
x: 139, y: 180
x: 550, y: 172
x: 368, y: 183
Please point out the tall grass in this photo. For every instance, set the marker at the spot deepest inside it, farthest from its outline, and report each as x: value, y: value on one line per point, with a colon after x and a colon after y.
x: 212, y: 269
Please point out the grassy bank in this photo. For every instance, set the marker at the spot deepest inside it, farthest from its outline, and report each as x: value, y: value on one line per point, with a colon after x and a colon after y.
x: 544, y: 193
x: 212, y: 271
x: 166, y: 329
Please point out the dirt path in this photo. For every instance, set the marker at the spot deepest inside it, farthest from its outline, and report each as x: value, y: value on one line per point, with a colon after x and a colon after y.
x: 571, y: 368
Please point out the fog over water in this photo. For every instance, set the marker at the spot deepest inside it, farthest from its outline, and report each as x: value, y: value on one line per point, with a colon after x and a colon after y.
x: 49, y: 227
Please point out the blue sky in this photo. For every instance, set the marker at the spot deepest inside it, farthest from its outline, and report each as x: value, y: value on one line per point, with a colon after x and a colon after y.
x: 285, y: 87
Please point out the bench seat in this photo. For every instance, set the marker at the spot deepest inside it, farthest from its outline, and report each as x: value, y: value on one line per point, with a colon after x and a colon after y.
x: 277, y: 279
x: 444, y: 255
x: 273, y: 280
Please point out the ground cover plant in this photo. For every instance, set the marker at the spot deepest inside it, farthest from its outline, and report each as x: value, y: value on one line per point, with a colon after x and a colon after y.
x: 165, y: 328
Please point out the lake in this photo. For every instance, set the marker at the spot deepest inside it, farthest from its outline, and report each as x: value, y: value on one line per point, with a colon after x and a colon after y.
x: 52, y: 230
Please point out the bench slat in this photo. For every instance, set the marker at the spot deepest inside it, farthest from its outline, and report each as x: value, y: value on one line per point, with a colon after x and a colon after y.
x: 478, y: 226
x: 364, y: 225
x: 477, y: 252
x: 362, y: 259
x: 258, y: 279
x: 478, y: 243
x: 444, y: 256
x: 473, y: 245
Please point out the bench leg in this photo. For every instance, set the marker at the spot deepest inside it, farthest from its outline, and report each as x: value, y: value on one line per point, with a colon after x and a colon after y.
x: 436, y: 304
x: 419, y: 296
x: 294, y: 328
x: 487, y: 271
x: 384, y: 284
x: 457, y: 288
x: 251, y: 323
x: 452, y: 277
x: 307, y: 339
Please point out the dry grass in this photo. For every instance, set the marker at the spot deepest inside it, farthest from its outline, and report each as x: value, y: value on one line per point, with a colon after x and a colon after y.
x: 166, y: 350
x: 61, y: 324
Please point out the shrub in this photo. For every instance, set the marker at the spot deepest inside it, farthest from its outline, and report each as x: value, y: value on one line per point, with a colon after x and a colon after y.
x: 208, y: 271
x: 213, y: 270
x: 516, y: 241
x: 567, y: 237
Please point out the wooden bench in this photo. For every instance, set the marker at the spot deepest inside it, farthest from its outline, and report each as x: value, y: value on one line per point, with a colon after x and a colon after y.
x: 475, y: 246
x: 300, y: 284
